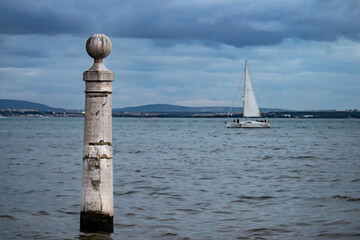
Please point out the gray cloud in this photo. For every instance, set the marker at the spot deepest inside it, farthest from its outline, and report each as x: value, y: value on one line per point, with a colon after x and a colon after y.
x: 302, y: 54
x: 36, y: 17
x: 236, y: 23
x: 295, y: 74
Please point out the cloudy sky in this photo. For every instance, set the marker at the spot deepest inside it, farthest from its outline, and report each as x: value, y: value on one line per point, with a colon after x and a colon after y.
x: 302, y: 55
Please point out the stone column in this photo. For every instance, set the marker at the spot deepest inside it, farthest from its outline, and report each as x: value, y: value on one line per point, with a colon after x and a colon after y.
x: 97, y: 174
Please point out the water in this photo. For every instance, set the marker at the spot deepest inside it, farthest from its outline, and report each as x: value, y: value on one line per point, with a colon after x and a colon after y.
x: 186, y: 179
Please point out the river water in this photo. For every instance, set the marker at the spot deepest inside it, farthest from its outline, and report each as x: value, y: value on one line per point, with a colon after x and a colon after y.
x: 186, y: 179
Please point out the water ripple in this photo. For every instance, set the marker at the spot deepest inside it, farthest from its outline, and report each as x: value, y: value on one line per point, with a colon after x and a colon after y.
x: 186, y: 179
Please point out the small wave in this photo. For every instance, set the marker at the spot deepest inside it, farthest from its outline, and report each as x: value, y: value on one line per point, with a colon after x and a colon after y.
x: 157, y: 177
x: 135, y: 152
x: 206, y: 178
x: 276, y: 148
x: 67, y: 212
x: 126, y: 193
x: 136, y: 182
x: 222, y: 212
x: 130, y: 214
x: 305, y: 157
x: 238, y: 201
x: 268, y: 231
x: 165, y: 226
x: 28, y: 192
x: 169, y: 234
x: 44, y: 213
x: 176, y: 198
x: 338, y: 235
x: 62, y: 195
x: 138, y: 208
x: 339, y: 222
x: 203, y: 190
x: 216, y: 150
x: 339, y: 196
x: 203, y: 204
x: 7, y: 217
x: 302, y: 224
x: 167, y: 219
x: 349, y: 199
x: 336, y: 180
x: 188, y: 210
x: 287, y: 176
x: 160, y: 194
x: 124, y: 225
x: 255, y: 197
x: 353, y: 199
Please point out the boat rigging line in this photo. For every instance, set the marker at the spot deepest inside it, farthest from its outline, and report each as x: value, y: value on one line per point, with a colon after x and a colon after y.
x: 233, y: 101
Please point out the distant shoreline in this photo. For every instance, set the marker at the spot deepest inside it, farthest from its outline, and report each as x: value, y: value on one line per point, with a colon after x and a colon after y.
x: 282, y: 114
x: 20, y: 108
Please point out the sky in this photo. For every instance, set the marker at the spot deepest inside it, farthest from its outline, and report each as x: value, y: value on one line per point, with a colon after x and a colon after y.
x: 302, y: 55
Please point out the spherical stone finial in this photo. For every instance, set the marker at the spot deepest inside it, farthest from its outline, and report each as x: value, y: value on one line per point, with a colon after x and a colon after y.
x: 98, y: 46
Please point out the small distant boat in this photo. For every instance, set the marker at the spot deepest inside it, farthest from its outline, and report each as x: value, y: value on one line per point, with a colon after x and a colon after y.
x: 250, y: 108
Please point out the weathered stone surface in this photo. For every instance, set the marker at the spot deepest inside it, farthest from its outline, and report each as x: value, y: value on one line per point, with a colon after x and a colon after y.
x: 98, y: 87
x: 97, y: 179
x: 98, y: 46
x: 98, y: 76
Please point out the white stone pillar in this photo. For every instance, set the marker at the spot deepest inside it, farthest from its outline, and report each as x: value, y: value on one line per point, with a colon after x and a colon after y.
x: 97, y: 174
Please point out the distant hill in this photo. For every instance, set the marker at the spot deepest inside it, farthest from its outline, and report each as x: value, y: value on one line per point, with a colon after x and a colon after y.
x: 19, y: 105
x: 151, y: 108
x: 161, y: 108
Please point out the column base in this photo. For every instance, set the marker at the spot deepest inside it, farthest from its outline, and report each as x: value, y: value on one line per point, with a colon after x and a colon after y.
x: 96, y: 222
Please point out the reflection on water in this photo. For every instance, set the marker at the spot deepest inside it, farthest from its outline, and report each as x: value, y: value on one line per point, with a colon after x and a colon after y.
x: 94, y: 236
x: 186, y: 179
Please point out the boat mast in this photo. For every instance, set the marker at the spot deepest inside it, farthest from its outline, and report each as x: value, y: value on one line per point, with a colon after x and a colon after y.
x: 245, y: 70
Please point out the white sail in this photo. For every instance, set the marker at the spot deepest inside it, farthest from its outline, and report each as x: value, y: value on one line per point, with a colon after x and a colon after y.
x: 251, y: 108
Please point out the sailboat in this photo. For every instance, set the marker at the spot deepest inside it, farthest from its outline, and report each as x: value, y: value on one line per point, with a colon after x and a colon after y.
x: 250, y: 108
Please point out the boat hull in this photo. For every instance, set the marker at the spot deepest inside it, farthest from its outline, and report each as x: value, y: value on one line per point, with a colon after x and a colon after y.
x: 248, y: 124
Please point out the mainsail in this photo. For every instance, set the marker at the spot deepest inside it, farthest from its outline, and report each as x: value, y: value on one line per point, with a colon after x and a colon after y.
x: 250, y: 106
